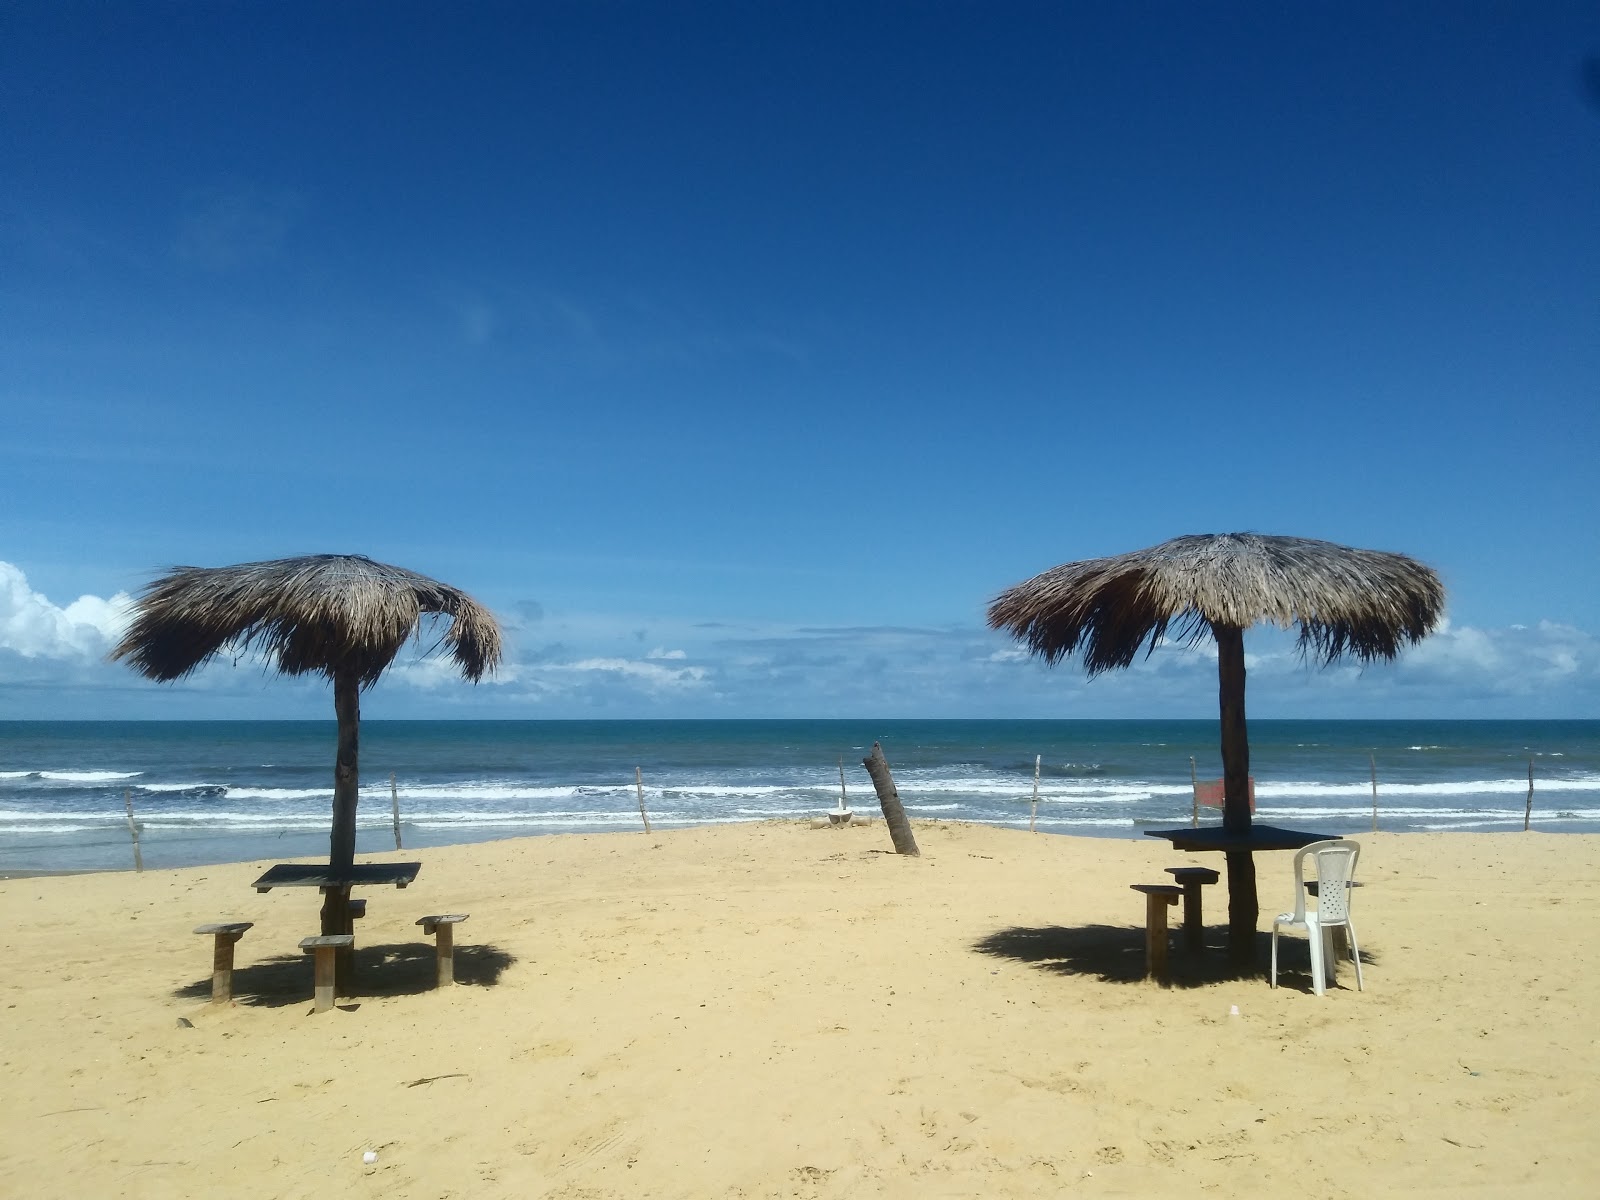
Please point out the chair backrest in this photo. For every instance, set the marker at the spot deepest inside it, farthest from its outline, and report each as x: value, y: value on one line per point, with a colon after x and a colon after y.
x: 1335, y: 860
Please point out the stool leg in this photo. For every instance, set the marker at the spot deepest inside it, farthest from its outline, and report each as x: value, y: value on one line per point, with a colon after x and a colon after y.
x: 222, y: 969
x: 323, y: 978
x: 447, y: 955
x: 1155, y: 938
x: 1194, y: 931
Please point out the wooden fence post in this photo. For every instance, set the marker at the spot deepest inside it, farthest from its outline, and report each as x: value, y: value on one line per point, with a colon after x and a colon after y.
x: 1194, y: 785
x: 1033, y: 816
x: 138, y: 859
x: 394, y: 804
x: 638, y: 782
x: 1527, y: 813
x: 1373, y: 759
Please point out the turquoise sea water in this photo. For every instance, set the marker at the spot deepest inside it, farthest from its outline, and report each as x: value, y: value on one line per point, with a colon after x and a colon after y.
x: 235, y: 791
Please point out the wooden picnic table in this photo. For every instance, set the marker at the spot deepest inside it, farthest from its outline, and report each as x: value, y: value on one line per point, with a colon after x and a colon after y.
x: 326, y: 878
x: 337, y: 907
x: 1257, y: 837
x: 1244, y: 845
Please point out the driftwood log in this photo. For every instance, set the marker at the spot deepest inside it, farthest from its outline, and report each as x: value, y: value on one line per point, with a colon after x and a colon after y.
x: 894, y: 813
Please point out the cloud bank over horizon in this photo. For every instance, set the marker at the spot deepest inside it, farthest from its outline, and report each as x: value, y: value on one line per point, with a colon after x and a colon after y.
x: 52, y: 665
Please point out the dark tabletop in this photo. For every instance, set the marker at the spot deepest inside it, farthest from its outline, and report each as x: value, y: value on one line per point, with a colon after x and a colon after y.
x: 324, y: 876
x: 1257, y: 837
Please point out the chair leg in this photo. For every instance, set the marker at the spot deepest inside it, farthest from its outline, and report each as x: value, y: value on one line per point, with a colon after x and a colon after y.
x: 1318, y: 980
x: 1355, y: 957
x: 1272, y: 978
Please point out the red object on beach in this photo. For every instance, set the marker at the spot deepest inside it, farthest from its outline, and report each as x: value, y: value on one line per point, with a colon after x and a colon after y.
x: 1210, y: 794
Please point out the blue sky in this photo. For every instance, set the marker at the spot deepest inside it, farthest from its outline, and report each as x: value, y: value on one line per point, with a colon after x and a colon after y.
x: 737, y: 354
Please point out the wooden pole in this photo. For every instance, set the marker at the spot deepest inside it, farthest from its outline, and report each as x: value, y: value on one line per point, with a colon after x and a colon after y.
x: 394, y: 805
x: 1243, y: 906
x: 1034, y: 815
x: 346, y: 774
x: 1527, y: 813
x: 133, y: 830
x: 894, y: 813
x: 342, y: 843
x: 638, y: 782
x: 1373, y: 759
x: 842, y: 803
x: 1194, y: 791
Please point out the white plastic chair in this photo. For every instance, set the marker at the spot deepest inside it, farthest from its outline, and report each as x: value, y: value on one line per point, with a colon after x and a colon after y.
x: 1335, y: 861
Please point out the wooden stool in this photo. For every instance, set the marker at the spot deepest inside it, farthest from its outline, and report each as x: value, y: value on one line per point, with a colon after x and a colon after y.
x: 1193, y: 879
x: 325, y: 947
x: 227, y: 933
x: 443, y: 927
x: 1158, y: 897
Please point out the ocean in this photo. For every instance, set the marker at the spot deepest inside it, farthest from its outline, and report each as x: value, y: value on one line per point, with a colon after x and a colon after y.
x: 233, y: 791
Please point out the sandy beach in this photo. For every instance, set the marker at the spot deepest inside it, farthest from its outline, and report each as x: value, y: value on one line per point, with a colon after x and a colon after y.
x: 776, y: 1010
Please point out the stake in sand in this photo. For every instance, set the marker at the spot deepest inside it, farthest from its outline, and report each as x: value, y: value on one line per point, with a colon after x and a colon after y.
x: 1527, y: 813
x: 638, y: 782
x: 138, y: 859
x: 1194, y: 788
x: 394, y: 804
x: 1373, y: 759
x: 1033, y: 816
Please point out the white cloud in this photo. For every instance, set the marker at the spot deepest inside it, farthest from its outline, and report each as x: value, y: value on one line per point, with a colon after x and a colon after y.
x: 51, y: 664
x: 30, y: 625
x: 229, y: 228
x: 646, y: 672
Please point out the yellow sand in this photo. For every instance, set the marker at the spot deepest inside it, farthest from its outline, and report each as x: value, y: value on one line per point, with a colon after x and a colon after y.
x: 775, y: 1010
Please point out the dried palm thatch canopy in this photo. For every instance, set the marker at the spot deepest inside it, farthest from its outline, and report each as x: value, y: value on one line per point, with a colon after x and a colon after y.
x: 333, y: 614
x: 340, y: 615
x: 1364, y: 603
x: 1367, y: 604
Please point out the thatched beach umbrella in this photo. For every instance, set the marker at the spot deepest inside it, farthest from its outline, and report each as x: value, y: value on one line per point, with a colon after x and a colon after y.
x: 339, y: 615
x: 1364, y: 604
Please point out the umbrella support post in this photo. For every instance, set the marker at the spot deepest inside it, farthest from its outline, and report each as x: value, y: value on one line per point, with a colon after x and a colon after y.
x: 337, y: 920
x: 1243, y: 909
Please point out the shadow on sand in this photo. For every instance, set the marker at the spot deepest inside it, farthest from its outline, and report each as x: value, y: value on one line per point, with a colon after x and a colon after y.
x: 1115, y: 954
x: 399, y: 969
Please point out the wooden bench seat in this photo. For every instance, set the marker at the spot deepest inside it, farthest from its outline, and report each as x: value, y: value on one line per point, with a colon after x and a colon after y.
x: 441, y: 926
x: 1192, y: 879
x: 1158, y: 897
x: 325, y: 947
x: 226, y: 934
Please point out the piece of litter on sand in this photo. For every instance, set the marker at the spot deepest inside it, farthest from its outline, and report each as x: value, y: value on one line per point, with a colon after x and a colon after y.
x: 370, y: 1157
x: 185, y: 1023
